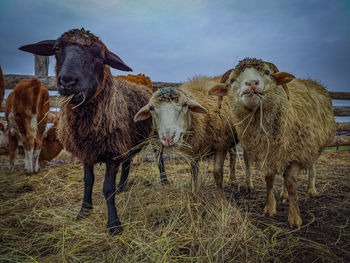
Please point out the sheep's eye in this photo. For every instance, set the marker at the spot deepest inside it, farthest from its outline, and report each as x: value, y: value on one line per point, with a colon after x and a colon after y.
x: 185, y: 104
x: 232, y: 80
x: 151, y: 108
x: 267, y: 72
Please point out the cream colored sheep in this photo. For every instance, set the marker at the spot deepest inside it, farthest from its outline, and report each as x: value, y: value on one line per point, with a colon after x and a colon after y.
x: 189, y: 119
x: 282, y: 127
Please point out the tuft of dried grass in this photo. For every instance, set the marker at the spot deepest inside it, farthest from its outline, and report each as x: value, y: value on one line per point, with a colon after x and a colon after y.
x: 170, y: 223
x: 161, y: 223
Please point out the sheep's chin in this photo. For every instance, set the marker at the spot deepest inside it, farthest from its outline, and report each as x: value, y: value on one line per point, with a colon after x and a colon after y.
x: 250, y: 101
x: 79, y: 97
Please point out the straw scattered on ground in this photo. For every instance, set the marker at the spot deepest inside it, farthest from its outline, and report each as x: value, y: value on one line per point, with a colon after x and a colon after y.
x: 170, y: 223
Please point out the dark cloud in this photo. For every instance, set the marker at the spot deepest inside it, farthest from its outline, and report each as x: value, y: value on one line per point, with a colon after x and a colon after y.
x: 175, y: 40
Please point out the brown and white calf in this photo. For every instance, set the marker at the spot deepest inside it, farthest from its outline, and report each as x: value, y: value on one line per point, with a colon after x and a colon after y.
x: 26, y: 113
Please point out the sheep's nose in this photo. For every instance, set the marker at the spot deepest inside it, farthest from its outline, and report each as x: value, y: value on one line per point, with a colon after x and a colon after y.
x: 66, y: 82
x: 252, y: 84
x: 169, y: 140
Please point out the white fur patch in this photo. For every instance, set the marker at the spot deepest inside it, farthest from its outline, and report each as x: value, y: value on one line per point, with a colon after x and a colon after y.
x: 36, y: 160
x: 34, y: 125
x: 29, y: 161
x: 14, y: 131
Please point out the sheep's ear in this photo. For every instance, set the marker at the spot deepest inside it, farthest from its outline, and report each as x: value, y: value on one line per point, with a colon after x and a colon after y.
x: 116, y: 62
x: 42, y: 48
x: 219, y: 90
x: 282, y: 77
x: 272, y: 67
x: 226, y: 75
x: 143, y: 114
x: 196, y: 107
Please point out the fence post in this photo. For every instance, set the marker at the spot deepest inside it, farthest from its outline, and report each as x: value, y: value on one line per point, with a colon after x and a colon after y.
x: 41, y: 65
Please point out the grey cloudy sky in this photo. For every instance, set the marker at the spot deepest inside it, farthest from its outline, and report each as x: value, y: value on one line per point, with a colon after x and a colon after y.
x: 176, y: 40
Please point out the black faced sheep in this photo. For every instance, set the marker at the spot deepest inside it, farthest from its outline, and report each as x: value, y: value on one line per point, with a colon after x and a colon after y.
x: 281, y: 129
x: 97, y: 124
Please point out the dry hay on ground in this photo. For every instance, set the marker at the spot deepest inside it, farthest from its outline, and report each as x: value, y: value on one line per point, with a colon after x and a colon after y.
x: 169, y: 223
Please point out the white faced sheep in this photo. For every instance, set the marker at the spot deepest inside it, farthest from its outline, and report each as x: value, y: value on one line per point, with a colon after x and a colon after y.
x: 189, y: 119
x: 282, y: 127
x: 97, y: 124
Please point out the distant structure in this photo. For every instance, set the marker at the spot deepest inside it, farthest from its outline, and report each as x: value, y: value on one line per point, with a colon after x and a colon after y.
x: 41, y: 65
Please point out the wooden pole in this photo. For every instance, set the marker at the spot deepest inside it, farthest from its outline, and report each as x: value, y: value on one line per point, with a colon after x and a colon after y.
x: 41, y: 65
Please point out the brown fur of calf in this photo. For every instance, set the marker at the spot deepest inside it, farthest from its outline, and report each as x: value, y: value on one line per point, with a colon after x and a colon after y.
x: 26, y: 113
x: 51, y: 145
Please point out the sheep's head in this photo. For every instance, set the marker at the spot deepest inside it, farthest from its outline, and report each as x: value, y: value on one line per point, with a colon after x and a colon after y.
x: 250, y: 80
x: 81, y: 59
x: 169, y: 109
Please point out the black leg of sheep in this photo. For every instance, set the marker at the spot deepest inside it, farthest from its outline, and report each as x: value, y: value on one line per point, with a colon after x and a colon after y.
x: 109, y: 192
x: 89, y: 177
x: 163, y: 177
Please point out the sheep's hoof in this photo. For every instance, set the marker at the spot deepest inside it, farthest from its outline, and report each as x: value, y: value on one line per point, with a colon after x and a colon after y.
x: 164, y: 181
x: 84, y: 212
x: 115, y: 229
x: 270, y: 209
x: 294, y: 220
x: 311, y: 192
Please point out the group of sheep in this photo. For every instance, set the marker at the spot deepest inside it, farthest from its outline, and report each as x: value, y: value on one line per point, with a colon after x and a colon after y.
x: 282, y: 123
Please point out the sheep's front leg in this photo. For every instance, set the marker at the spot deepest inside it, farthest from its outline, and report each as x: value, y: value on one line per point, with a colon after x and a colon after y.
x: 109, y: 192
x: 270, y: 207
x: 311, y: 178
x: 232, y: 154
x: 89, y: 178
x: 194, y: 174
x: 248, y: 176
x: 219, y: 168
x: 219, y: 172
x: 291, y: 185
x: 163, y: 177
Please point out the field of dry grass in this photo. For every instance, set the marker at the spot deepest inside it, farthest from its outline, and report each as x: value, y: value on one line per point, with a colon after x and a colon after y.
x: 170, y: 223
